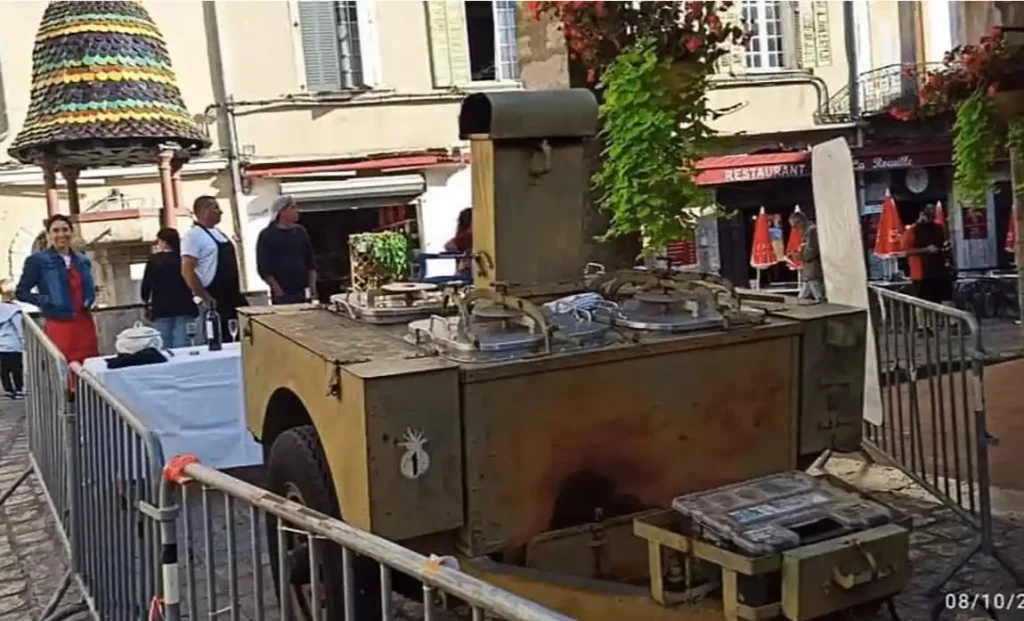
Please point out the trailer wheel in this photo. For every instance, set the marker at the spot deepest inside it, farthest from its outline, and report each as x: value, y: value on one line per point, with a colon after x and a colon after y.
x: 297, y: 469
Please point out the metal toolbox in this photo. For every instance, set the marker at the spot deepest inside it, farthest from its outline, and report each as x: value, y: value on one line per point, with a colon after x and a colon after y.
x: 855, y: 556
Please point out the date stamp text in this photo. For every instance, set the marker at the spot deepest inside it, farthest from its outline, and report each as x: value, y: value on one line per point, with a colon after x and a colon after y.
x: 984, y: 601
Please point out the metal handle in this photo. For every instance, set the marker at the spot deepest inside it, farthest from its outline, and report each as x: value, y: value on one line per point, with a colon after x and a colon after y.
x: 855, y: 579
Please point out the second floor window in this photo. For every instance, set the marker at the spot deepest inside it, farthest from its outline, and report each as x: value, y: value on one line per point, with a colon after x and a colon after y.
x: 331, y: 45
x: 473, y: 41
x: 763, y: 19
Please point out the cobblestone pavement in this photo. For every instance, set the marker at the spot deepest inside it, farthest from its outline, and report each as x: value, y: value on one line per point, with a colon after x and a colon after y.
x: 32, y: 562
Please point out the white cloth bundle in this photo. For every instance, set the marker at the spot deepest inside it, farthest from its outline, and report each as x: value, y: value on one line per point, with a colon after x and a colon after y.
x: 136, y: 338
x: 569, y: 304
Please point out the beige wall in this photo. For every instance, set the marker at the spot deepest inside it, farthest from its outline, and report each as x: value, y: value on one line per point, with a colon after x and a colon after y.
x: 262, y: 60
x: 764, y: 109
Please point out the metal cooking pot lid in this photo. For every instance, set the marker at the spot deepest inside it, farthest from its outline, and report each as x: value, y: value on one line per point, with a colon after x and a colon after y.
x: 408, y: 287
x: 496, y: 312
x: 661, y: 297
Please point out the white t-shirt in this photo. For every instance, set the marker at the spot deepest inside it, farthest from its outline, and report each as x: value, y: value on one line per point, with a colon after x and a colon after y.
x: 199, y: 244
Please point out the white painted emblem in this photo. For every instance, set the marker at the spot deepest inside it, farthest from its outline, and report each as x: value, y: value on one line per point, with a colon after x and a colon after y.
x: 415, y: 462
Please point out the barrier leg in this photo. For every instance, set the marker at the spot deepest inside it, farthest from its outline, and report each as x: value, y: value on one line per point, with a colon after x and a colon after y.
x: 17, y: 482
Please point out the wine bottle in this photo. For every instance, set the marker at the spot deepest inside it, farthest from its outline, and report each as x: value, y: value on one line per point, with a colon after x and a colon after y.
x: 214, y: 338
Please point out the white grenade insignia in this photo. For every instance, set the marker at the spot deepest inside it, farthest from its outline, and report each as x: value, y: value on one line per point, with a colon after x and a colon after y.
x: 415, y: 462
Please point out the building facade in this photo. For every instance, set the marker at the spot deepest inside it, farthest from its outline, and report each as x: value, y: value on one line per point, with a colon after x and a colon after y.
x: 815, y: 70
x: 350, y: 106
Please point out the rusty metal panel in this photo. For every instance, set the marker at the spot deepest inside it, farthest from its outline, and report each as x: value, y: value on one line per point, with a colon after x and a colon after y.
x: 545, y: 450
x: 561, y: 113
x: 414, y: 447
x: 832, y: 376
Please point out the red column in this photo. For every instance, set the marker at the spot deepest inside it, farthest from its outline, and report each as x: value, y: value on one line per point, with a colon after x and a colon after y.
x: 168, y: 214
x: 50, y: 181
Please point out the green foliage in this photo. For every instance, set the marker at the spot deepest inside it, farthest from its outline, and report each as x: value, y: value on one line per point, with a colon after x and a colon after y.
x: 389, y: 250
x: 974, y: 150
x: 653, y: 124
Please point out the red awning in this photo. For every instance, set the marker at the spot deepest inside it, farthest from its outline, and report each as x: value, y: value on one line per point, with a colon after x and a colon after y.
x: 391, y: 163
x: 721, y: 169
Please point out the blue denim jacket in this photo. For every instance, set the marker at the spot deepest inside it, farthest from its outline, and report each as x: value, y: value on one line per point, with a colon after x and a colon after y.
x: 46, y: 273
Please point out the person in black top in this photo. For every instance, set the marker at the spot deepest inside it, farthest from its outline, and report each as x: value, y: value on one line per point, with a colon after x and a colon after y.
x: 167, y: 298
x: 284, y: 255
x: 927, y: 248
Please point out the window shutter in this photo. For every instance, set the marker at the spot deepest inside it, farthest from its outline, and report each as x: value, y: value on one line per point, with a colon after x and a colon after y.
x: 318, y: 25
x: 814, y: 35
x: 734, y: 62
x: 449, y: 53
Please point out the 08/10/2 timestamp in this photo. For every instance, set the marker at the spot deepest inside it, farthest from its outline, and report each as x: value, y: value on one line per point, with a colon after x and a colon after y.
x: 984, y: 601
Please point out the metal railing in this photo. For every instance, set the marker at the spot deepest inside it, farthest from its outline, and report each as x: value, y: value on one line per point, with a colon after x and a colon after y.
x: 123, y: 519
x: 878, y: 91
x: 222, y: 526
x: 115, y: 472
x: 934, y: 427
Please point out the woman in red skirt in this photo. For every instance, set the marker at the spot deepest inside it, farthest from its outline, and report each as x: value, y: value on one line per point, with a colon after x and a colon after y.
x: 59, y: 282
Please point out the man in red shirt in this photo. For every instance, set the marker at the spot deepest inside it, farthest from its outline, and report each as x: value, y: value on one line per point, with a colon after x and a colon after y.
x: 926, y: 246
x: 463, y: 242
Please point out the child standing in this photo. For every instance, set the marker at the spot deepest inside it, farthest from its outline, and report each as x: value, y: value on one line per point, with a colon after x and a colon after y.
x: 12, y: 344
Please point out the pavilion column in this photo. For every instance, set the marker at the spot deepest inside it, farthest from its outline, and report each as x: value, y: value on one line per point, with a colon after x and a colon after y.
x: 169, y: 213
x: 50, y: 182
x: 70, y: 175
x: 176, y: 164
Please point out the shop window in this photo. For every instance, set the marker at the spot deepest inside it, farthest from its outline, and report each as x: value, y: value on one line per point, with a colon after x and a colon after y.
x: 473, y: 41
x: 764, y: 20
x: 334, y: 44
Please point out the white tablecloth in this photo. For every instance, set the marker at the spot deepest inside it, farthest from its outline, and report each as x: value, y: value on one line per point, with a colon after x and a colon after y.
x: 194, y: 403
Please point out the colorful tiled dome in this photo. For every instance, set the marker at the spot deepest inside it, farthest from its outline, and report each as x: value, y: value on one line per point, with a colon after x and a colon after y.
x: 103, y: 90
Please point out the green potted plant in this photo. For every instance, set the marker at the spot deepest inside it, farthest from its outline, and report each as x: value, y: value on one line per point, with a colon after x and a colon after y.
x: 650, y: 64
x: 983, y: 86
x: 378, y: 259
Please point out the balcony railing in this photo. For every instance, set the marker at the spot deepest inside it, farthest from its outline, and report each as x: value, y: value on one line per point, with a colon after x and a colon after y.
x: 878, y: 91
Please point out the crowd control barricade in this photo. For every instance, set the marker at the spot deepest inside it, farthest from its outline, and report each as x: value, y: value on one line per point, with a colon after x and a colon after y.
x: 217, y: 565
x: 116, y: 476
x: 934, y: 429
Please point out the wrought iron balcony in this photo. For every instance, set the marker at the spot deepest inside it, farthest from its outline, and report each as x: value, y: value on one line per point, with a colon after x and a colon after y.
x: 878, y: 91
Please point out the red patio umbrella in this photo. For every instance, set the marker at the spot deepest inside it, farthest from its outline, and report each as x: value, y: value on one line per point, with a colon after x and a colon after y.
x: 796, y: 239
x: 762, y: 254
x: 940, y: 215
x: 889, y: 242
x: 1011, y: 232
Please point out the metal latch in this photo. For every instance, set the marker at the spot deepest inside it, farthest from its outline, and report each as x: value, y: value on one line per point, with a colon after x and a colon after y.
x: 873, y: 573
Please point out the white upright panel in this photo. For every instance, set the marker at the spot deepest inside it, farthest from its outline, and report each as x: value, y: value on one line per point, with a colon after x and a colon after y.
x: 842, y: 253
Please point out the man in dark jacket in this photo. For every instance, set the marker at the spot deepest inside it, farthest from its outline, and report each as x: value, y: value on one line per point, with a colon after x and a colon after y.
x: 284, y: 255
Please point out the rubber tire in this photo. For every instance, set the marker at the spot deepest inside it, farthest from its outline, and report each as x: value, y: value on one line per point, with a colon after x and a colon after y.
x: 297, y: 457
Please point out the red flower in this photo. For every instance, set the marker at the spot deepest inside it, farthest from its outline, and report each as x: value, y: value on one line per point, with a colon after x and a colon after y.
x: 591, y: 75
x: 993, y: 90
x: 692, y: 43
x: 900, y: 114
x: 715, y: 24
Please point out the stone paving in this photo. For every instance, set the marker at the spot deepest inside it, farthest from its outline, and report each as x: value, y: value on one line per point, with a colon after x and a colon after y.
x: 32, y: 562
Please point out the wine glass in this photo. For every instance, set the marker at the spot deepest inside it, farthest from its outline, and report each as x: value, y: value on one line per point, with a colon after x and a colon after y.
x: 191, y: 329
x: 233, y: 329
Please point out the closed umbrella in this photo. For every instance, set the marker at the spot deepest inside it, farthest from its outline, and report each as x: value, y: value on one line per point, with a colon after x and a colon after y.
x: 762, y: 254
x: 1011, y: 232
x: 889, y: 240
x: 940, y: 214
x: 796, y: 239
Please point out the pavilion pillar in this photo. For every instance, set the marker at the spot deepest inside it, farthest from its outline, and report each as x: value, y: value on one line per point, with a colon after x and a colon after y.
x: 168, y: 215
x: 176, y: 164
x: 70, y: 175
x: 50, y: 183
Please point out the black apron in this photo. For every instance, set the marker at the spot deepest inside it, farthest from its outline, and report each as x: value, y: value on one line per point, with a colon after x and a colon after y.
x: 224, y: 288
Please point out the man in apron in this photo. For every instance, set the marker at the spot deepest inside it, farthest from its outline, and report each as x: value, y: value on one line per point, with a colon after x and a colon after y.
x: 209, y: 264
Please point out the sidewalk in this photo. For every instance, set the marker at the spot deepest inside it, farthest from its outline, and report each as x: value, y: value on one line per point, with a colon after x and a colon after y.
x: 32, y: 562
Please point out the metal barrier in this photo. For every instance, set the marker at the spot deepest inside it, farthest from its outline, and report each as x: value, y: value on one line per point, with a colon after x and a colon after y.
x: 116, y: 473
x: 933, y: 399
x: 122, y: 523
x: 227, y: 526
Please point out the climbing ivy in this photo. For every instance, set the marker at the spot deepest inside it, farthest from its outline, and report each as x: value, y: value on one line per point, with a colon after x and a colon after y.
x: 974, y: 150
x: 654, y: 131
x: 388, y: 250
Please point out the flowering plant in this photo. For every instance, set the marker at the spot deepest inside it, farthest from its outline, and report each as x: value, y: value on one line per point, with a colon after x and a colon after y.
x: 651, y: 63
x: 971, y: 83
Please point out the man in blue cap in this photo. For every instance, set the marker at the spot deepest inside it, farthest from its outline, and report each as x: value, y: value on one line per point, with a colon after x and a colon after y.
x: 284, y: 255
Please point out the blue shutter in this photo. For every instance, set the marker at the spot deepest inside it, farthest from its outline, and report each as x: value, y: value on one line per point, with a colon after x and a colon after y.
x: 319, y: 28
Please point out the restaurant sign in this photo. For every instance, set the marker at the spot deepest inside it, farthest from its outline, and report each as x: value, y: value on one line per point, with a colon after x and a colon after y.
x: 792, y: 170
